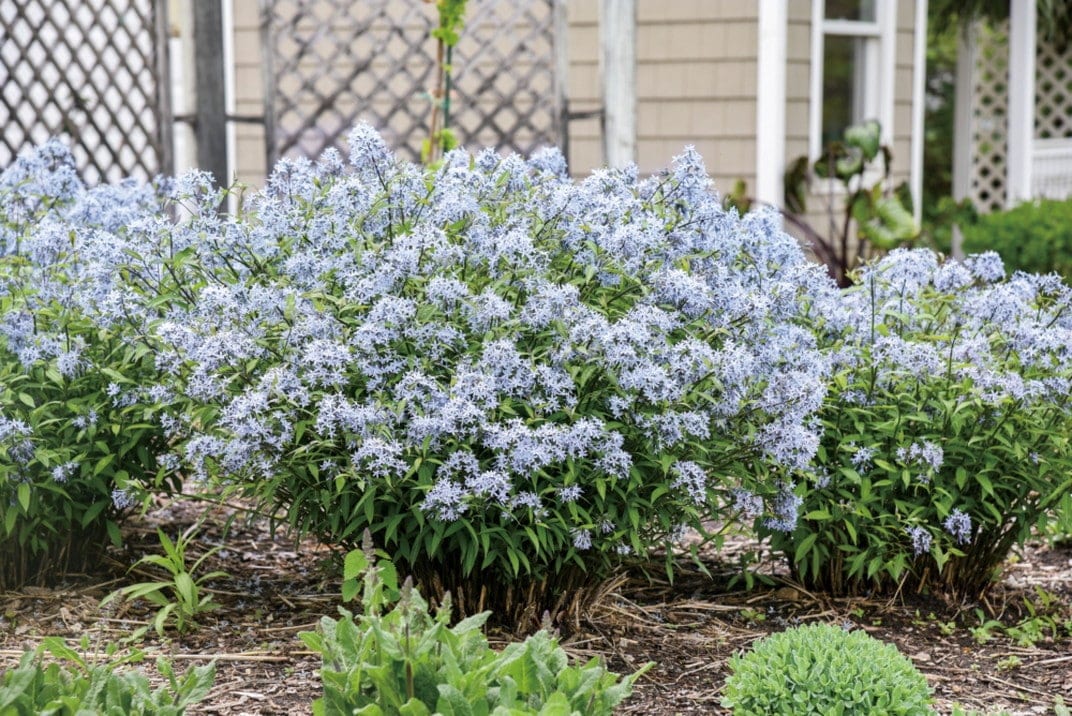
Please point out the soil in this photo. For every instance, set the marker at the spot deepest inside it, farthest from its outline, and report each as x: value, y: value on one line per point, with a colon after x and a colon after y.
x: 277, y: 589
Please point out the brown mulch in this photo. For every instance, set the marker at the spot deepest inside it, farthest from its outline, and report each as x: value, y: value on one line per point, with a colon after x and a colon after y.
x: 277, y: 588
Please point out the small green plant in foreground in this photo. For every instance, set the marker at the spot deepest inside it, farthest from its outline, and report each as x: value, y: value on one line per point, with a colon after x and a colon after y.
x: 402, y: 659
x: 75, y: 685
x: 180, y: 596
x: 823, y: 669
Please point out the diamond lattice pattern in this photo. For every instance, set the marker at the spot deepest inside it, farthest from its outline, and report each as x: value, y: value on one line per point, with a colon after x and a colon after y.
x: 1053, y: 92
x: 336, y: 62
x: 989, y: 117
x: 86, y: 69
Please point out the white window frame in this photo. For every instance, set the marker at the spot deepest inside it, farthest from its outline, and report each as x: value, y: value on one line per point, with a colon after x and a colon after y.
x: 875, y: 87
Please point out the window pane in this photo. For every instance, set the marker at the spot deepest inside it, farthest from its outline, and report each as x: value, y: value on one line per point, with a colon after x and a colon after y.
x: 843, y: 74
x: 861, y: 10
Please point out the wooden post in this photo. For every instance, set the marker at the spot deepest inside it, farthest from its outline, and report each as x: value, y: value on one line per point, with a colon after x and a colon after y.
x: 617, y: 38
x: 964, y: 141
x: 163, y: 88
x: 211, y: 107
x: 559, y: 33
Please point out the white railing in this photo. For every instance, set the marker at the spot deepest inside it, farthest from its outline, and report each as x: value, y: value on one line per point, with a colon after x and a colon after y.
x: 1051, y: 172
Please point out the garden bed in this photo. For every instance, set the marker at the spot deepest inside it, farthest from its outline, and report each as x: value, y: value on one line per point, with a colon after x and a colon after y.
x: 277, y: 589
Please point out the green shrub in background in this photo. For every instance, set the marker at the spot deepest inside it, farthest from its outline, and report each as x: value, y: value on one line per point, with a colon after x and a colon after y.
x: 410, y: 662
x: 823, y: 669
x: 76, y: 686
x: 1035, y: 236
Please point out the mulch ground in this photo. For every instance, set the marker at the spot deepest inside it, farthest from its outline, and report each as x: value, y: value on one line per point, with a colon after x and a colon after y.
x: 277, y: 588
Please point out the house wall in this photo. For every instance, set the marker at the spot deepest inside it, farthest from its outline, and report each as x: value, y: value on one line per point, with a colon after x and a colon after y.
x: 696, y: 71
x: 696, y: 79
x: 250, y: 145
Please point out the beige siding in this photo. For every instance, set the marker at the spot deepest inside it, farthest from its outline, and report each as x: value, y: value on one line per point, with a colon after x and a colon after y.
x: 798, y: 80
x: 696, y: 77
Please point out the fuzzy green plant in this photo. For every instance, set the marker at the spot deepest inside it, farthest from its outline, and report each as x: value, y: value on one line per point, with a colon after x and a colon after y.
x: 824, y: 669
x: 398, y: 657
x: 57, y: 679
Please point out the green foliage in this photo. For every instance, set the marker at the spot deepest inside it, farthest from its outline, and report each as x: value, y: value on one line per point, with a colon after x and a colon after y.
x: 76, y: 685
x: 180, y: 596
x: 872, y: 217
x: 79, y: 445
x: 943, y: 40
x: 1058, y: 526
x: 1034, y: 236
x: 398, y: 658
x: 1047, y: 620
x: 823, y: 669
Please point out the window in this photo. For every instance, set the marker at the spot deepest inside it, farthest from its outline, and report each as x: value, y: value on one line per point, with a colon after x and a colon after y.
x: 848, y: 66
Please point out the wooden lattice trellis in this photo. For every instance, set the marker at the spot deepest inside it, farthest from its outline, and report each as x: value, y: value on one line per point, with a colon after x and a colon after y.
x: 331, y: 63
x: 91, y: 70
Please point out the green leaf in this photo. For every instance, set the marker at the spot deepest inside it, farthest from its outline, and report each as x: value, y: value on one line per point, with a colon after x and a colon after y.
x: 187, y: 591
x: 413, y: 707
x: 354, y: 564
x: 556, y: 705
x: 23, y: 492
x: 867, y: 137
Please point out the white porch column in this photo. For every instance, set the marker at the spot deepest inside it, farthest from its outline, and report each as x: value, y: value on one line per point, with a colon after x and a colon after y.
x: 770, y: 101
x: 1022, y: 26
x: 617, y: 37
x: 919, y: 87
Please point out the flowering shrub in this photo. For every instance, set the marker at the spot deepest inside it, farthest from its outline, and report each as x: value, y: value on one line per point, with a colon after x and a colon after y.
x: 77, y: 439
x: 946, y: 429
x: 510, y: 379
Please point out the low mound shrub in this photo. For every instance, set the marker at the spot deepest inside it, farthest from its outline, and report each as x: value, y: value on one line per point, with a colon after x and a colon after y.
x: 511, y: 379
x: 824, y: 669
x: 398, y: 658
x: 79, y: 442
x: 946, y: 429
x: 1035, y: 236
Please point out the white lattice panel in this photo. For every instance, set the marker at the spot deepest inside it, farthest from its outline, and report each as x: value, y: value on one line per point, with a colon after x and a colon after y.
x: 1053, y: 92
x: 989, y: 117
